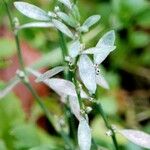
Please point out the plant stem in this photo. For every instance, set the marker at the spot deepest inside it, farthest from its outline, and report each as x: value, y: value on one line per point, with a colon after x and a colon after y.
x: 68, y: 76
x: 22, y: 67
x: 101, y: 111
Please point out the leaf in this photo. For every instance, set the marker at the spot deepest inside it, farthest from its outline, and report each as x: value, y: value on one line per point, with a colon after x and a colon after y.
x: 74, y: 49
x: 75, y: 107
x: 50, y: 73
x: 62, y: 86
x: 84, y: 135
x: 102, y: 51
x: 9, y: 87
x: 63, y: 28
x: 107, y: 39
x: 87, y: 73
x: 37, y: 25
x: 106, y: 46
x: 75, y: 13
x: 25, y: 136
x: 137, y: 137
x: 67, y: 3
x: 100, y: 80
x: 91, y: 21
x: 32, y: 11
x: 67, y: 19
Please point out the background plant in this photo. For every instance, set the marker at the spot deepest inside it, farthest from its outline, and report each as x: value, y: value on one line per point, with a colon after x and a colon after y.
x: 82, y: 59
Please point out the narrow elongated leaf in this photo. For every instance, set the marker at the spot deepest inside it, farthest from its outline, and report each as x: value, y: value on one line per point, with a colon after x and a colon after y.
x: 75, y: 107
x: 62, y: 27
x: 32, y: 11
x: 104, y: 51
x: 50, y: 73
x: 37, y: 25
x: 87, y: 73
x: 107, y: 39
x: 67, y: 3
x: 67, y: 19
x: 137, y: 137
x: 91, y: 21
x: 62, y: 86
x: 84, y: 135
x: 9, y: 87
x: 74, y: 49
x: 75, y: 13
x: 106, y: 45
x: 83, y: 94
x: 100, y: 80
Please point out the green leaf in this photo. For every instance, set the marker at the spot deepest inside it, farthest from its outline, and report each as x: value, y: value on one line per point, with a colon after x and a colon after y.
x: 25, y: 136
x: 50, y: 73
x: 32, y: 11
x: 63, y: 28
x: 36, y: 25
x: 91, y: 21
x: 87, y: 73
x: 67, y: 3
x: 84, y: 135
x: 75, y: 13
x: 67, y: 19
x: 137, y: 137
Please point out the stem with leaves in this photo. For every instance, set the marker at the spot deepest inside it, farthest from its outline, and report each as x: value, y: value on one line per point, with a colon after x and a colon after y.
x: 24, y: 78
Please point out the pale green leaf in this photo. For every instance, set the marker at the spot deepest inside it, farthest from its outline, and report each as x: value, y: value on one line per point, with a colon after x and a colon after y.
x: 84, y: 135
x: 137, y: 137
x: 63, y: 28
x: 50, y: 73
x: 91, y: 21
x: 67, y: 3
x: 87, y: 73
x: 36, y: 25
x: 32, y: 11
x: 67, y: 19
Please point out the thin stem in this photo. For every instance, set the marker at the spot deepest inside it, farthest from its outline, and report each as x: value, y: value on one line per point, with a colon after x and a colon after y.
x: 9, y: 15
x: 19, y: 53
x: 27, y: 84
x: 68, y: 76
x: 64, y: 49
x: 101, y: 111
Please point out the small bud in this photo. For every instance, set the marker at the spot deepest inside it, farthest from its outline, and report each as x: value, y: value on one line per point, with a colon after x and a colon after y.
x: 114, y: 128
x: 109, y: 133
x: 20, y: 74
x: 51, y: 14
x: 68, y: 58
x: 82, y: 47
x: 91, y: 99
x: 88, y: 110
x: 57, y: 9
x: 16, y: 22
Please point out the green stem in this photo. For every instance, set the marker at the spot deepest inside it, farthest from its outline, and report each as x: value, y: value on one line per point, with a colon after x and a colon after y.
x: 19, y: 53
x: 9, y: 14
x: 101, y: 111
x: 22, y: 67
x: 64, y: 49
x: 68, y: 76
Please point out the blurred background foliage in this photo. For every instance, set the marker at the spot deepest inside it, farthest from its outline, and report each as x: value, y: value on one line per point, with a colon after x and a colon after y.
x: 127, y: 70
